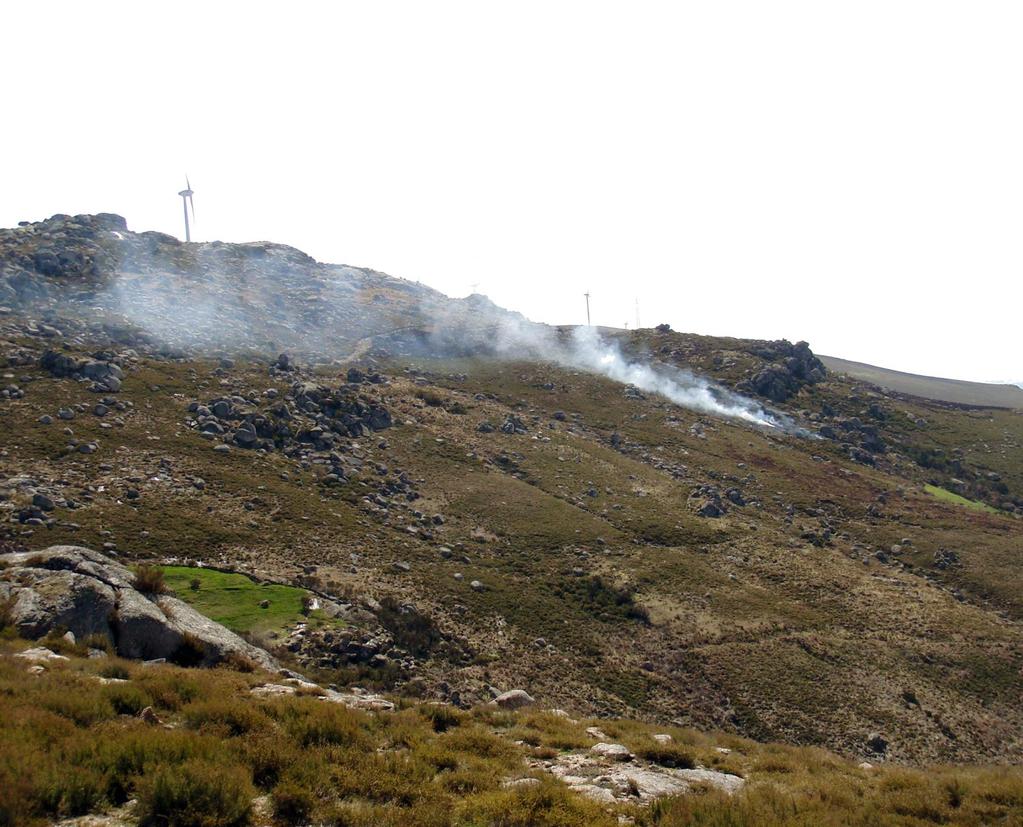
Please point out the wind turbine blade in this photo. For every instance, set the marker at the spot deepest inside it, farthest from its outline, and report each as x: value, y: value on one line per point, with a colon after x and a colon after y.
x: 191, y: 203
x: 188, y: 186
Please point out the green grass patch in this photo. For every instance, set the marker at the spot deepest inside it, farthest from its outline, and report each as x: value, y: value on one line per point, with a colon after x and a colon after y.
x: 236, y: 601
x: 952, y: 497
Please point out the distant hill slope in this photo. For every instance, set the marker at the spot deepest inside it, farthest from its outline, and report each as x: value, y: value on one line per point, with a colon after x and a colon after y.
x: 930, y: 387
x: 476, y: 511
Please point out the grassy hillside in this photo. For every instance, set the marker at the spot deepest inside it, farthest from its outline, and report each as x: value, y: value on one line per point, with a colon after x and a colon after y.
x: 210, y: 752
x: 810, y: 614
x: 239, y: 603
x: 930, y: 387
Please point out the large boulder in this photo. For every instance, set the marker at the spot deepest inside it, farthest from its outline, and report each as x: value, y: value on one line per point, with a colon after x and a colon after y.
x: 42, y: 600
x: 514, y: 699
x: 142, y: 630
x: 80, y: 590
x: 790, y: 367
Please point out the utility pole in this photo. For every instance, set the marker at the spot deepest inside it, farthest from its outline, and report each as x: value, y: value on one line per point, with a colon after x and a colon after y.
x: 587, y: 294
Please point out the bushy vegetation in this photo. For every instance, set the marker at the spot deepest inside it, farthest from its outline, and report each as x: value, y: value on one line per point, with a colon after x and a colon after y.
x: 605, y: 600
x: 195, y: 794
x: 149, y: 580
x: 72, y: 744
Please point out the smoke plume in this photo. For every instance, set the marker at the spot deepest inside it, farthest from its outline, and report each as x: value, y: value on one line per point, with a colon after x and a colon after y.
x: 264, y: 297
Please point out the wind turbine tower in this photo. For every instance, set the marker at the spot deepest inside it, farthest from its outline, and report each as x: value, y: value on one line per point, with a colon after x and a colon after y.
x: 186, y: 202
x: 587, y: 294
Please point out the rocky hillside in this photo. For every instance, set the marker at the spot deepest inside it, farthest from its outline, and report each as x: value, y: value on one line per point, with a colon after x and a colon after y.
x: 151, y: 290
x: 826, y: 564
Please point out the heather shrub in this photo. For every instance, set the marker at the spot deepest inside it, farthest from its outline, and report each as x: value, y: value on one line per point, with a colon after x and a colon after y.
x: 545, y: 805
x: 667, y: 755
x: 313, y: 723
x: 293, y: 802
x: 69, y: 790
x: 268, y: 756
x: 149, y: 580
x: 228, y: 717
x: 195, y: 794
x: 115, y: 671
x: 84, y: 708
x: 127, y: 699
x: 441, y: 717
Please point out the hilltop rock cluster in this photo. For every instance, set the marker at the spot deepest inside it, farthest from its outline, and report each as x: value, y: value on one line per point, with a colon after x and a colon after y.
x: 790, y: 367
x: 200, y: 296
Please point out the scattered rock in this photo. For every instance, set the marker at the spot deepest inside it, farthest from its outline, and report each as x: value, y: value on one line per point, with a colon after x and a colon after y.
x: 39, y: 654
x: 148, y: 716
x: 615, y: 752
x: 514, y: 699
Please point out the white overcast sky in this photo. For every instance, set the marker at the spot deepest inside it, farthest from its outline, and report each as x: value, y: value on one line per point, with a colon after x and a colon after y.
x: 847, y: 173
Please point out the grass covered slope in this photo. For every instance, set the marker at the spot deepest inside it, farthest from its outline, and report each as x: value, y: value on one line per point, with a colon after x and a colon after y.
x: 238, y: 602
x: 72, y: 742
x: 952, y: 497
x: 930, y: 387
x: 800, y: 616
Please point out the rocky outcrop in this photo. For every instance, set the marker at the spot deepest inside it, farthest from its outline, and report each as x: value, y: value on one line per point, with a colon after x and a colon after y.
x: 706, y: 501
x: 89, y: 594
x: 790, y: 367
x: 312, y: 415
x: 105, y: 376
x: 149, y: 290
x: 612, y: 775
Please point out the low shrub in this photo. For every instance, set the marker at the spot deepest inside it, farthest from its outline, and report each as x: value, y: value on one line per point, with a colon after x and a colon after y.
x: 321, y: 724
x: 6, y: 613
x: 668, y: 755
x: 97, y: 641
x: 170, y: 689
x: 149, y: 580
x: 293, y: 803
x: 441, y: 716
x: 411, y: 629
x: 127, y: 699
x: 70, y: 791
x: 190, y: 652
x: 545, y: 805
x: 115, y: 671
x: 431, y: 398
x: 268, y: 757
x: 239, y: 663
x: 84, y: 708
x: 229, y: 717
x: 195, y: 794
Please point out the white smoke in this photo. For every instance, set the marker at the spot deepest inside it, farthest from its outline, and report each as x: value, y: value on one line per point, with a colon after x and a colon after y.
x: 591, y: 352
x: 261, y: 296
x: 586, y: 349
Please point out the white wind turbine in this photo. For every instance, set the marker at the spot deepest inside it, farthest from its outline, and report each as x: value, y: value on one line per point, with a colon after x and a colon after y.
x: 186, y: 202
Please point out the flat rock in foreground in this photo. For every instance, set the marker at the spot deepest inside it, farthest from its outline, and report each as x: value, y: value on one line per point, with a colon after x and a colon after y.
x: 609, y: 780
